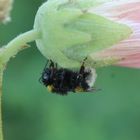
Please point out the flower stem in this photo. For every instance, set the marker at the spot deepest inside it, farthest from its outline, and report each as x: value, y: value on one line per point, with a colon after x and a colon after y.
x: 10, y: 50
x: 17, y: 44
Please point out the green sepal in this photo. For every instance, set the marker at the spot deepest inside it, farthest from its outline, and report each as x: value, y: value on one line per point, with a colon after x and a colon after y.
x: 104, y: 34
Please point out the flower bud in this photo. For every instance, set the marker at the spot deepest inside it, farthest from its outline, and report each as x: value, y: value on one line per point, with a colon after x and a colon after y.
x: 72, y: 30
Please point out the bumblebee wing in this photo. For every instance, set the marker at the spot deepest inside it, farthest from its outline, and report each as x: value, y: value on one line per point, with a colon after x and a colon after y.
x: 94, y: 90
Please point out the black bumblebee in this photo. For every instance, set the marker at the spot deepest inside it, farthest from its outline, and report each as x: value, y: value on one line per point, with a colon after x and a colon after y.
x: 61, y: 80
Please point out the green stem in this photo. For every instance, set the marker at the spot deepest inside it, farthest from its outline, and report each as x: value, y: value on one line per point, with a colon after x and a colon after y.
x: 1, y: 133
x: 17, y: 44
x: 10, y: 50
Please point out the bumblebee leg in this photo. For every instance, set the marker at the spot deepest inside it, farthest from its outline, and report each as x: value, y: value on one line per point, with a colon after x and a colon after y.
x: 62, y: 79
x: 82, y: 67
x: 56, y: 65
x: 81, y: 71
x: 81, y: 84
x: 46, y: 65
x: 51, y: 64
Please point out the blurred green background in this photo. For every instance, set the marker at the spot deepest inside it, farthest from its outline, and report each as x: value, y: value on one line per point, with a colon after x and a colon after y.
x: 31, y: 113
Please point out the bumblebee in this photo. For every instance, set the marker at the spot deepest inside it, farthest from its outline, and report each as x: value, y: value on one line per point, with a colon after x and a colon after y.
x: 62, y: 81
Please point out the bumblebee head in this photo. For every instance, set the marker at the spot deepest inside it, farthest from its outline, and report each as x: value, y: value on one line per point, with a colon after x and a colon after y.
x: 47, y: 77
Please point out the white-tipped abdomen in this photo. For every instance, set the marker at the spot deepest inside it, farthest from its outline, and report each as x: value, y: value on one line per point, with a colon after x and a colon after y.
x: 91, y: 77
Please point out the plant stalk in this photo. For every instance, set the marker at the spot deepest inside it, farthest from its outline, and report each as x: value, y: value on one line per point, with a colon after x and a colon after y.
x: 10, y: 50
x: 17, y: 44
